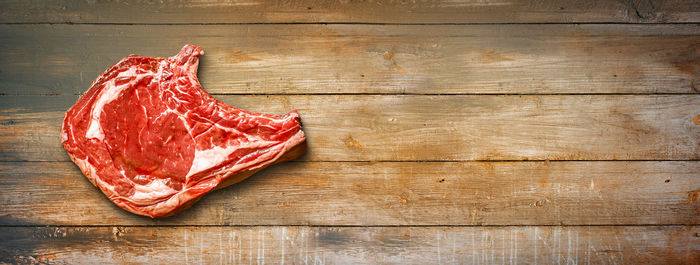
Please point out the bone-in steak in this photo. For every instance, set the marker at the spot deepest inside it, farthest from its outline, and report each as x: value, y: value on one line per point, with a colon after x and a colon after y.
x: 148, y: 135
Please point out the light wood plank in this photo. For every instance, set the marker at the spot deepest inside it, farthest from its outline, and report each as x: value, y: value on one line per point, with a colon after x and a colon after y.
x: 385, y: 193
x: 351, y: 245
x: 449, y: 127
x: 422, y: 59
x: 380, y: 11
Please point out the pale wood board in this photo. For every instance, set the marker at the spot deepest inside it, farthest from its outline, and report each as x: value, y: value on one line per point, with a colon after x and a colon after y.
x: 374, y: 11
x: 409, y: 161
x: 426, y: 127
x: 396, y: 59
x: 384, y: 193
x: 352, y: 245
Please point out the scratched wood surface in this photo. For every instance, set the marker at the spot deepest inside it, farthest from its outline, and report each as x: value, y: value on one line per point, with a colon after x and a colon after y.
x: 352, y: 245
x: 405, y: 59
x: 374, y: 11
x: 440, y: 132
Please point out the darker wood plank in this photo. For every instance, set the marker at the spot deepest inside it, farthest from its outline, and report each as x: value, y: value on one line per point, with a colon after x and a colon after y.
x: 385, y: 193
x: 351, y: 245
x: 381, y: 11
x: 417, y: 128
x: 413, y: 59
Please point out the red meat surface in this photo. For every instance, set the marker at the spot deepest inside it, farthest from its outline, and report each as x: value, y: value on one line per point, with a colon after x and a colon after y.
x: 153, y: 141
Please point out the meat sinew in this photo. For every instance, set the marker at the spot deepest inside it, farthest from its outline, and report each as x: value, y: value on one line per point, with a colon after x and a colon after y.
x: 148, y: 135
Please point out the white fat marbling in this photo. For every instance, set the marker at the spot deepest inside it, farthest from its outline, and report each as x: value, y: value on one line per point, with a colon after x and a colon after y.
x: 205, y: 159
x: 108, y: 94
x: 91, y: 173
x: 64, y: 136
x: 155, y: 189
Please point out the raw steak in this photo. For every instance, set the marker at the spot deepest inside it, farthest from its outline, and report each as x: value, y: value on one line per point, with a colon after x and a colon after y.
x: 154, y: 142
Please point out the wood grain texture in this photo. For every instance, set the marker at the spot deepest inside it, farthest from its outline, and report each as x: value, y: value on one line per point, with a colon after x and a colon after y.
x: 418, y: 128
x: 379, y: 11
x: 352, y: 245
x: 384, y: 193
x: 397, y: 59
x: 403, y: 167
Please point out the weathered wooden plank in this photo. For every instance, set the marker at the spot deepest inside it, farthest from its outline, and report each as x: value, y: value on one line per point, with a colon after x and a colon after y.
x: 384, y: 193
x: 351, y: 245
x: 422, y: 59
x: 381, y: 11
x: 448, y: 127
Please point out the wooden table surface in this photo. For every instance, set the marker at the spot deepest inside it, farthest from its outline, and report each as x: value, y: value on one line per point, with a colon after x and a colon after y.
x: 440, y: 132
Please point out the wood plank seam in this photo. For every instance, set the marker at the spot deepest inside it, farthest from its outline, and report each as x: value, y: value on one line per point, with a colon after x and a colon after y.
x: 365, y: 226
x: 347, y: 23
x: 266, y: 11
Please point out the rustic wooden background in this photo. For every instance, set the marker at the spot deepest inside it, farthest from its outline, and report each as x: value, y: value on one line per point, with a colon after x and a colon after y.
x: 463, y: 131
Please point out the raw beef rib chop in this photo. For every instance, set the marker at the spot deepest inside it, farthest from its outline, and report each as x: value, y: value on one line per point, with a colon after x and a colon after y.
x: 154, y: 142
